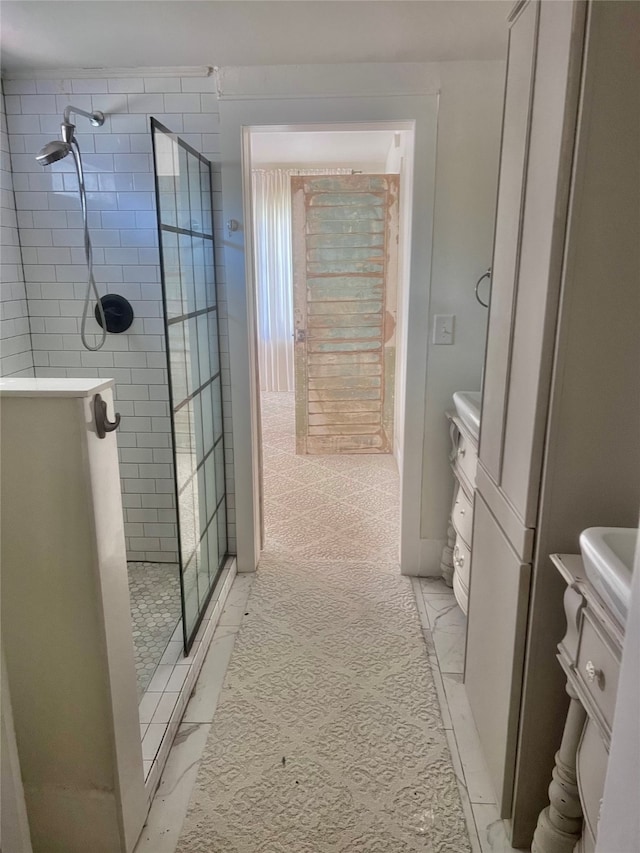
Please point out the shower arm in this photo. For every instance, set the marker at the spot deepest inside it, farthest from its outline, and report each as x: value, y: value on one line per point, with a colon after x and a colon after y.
x: 96, y: 118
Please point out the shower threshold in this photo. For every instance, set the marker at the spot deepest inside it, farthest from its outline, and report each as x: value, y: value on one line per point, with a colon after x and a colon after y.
x: 166, y: 692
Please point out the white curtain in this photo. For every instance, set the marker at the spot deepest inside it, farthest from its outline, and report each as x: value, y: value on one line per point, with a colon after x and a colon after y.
x: 273, y: 269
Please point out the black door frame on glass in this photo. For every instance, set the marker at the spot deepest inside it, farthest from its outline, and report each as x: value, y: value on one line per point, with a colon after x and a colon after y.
x: 190, y: 305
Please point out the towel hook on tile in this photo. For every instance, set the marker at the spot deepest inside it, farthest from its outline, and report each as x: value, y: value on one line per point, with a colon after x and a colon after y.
x: 103, y: 424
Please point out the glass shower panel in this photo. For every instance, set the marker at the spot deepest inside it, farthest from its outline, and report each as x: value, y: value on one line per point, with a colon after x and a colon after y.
x: 207, y: 215
x: 185, y: 224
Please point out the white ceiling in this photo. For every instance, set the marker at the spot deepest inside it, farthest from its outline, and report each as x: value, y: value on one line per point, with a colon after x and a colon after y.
x: 52, y: 34
x: 348, y: 149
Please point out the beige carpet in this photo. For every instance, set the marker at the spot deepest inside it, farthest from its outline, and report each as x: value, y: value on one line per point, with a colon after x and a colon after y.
x: 327, y: 737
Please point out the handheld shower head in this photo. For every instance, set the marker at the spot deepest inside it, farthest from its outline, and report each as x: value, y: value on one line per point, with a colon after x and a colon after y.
x: 58, y: 150
x: 52, y: 152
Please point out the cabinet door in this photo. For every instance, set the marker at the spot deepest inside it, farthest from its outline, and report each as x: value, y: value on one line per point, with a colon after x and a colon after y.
x: 496, y: 628
x: 513, y: 158
x: 527, y: 261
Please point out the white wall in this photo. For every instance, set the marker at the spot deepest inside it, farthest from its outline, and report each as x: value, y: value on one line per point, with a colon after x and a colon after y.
x: 469, y: 124
x: 119, y: 176
x: 15, y: 348
x: 469, y: 118
x: 321, y: 148
x: 470, y: 97
x: 348, y: 96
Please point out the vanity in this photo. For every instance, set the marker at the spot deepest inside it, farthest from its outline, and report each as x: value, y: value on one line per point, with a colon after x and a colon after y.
x: 596, y: 603
x: 464, y: 427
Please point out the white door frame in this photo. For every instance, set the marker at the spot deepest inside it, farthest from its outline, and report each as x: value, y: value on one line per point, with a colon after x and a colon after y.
x: 238, y: 113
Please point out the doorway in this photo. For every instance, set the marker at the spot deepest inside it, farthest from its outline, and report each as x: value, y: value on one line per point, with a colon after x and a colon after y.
x: 331, y: 221
x: 247, y: 102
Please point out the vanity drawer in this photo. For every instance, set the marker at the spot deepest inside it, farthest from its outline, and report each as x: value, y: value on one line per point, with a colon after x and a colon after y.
x: 466, y: 459
x: 462, y: 516
x: 598, y: 669
x: 461, y: 560
x: 591, y: 769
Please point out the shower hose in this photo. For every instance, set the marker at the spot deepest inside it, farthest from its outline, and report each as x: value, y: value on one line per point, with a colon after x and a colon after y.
x: 88, y: 253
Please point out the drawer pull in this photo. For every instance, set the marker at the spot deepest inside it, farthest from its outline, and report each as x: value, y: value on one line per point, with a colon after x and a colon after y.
x: 594, y: 674
x: 461, y: 452
x: 462, y: 511
x: 458, y: 558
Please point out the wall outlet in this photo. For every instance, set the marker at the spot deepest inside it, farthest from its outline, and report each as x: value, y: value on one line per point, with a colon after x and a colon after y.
x: 443, y: 326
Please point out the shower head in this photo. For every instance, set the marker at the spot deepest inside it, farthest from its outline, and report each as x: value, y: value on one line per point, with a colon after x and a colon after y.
x: 52, y: 152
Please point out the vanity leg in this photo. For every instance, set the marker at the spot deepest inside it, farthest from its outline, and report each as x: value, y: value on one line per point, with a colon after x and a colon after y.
x: 446, y: 561
x: 559, y: 826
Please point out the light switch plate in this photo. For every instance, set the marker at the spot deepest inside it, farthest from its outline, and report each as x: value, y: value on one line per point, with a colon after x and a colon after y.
x: 443, y: 327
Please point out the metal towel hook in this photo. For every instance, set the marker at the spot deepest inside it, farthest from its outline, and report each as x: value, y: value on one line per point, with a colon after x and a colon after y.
x: 487, y: 274
x: 103, y: 424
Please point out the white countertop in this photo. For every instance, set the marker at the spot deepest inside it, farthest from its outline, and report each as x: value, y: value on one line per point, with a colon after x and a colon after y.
x: 25, y: 387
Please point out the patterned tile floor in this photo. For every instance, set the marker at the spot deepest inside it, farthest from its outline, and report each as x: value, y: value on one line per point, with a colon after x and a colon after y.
x: 325, y: 507
x: 154, y: 590
x: 327, y: 737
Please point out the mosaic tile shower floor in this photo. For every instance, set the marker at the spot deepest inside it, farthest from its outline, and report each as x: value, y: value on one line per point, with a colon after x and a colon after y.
x: 154, y: 590
x: 327, y: 735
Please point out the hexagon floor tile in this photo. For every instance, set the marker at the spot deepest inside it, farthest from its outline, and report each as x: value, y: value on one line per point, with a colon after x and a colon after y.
x: 154, y: 590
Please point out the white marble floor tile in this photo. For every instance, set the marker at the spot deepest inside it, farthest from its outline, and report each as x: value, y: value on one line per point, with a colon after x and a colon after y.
x: 163, y: 712
x: 431, y: 651
x: 236, y: 604
x: 491, y: 830
x: 448, y: 629
x: 152, y: 740
x: 177, y: 678
x: 420, y: 605
x: 475, y: 769
x: 160, y: 678
x: 204, y: 700
x: 164, y: 823
x: 464, y: 797
x: 148, y: 705
x: 447, y: 722
x: 434, y: 586
x: 173, y: 652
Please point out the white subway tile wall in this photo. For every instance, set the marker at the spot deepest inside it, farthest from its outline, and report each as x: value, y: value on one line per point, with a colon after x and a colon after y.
x: 16, y: 358
x: 122, y: 218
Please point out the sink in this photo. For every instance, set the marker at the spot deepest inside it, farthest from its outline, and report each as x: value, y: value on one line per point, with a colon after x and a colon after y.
x: 608, y: 555
x: 467, y: 405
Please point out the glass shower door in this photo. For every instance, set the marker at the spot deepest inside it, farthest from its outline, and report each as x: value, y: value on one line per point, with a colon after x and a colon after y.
x: 185, y: 226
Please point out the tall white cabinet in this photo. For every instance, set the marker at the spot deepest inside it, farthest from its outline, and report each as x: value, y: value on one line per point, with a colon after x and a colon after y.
x: 558, y: 448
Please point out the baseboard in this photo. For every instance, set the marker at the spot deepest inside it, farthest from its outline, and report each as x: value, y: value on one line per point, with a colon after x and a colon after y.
x: 428, y: 562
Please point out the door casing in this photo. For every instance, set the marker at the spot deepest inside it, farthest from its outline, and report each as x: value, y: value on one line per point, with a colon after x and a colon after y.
x: 239, y: 115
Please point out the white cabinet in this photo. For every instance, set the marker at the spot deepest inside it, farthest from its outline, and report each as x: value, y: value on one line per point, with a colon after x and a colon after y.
x: 513, y: 162
x: 558, y: 447
x: 590, y: 656
x: 495, y: 644
x: 457, y: 556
